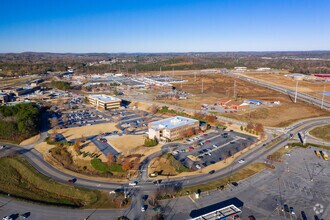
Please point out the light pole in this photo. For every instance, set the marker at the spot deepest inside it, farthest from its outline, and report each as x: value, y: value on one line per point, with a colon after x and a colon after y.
x: 295, y: 97
x: 323, y: 96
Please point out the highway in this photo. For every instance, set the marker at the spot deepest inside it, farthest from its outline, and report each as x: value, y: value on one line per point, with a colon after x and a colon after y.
x: 301, y: 96
x: 145, y: 185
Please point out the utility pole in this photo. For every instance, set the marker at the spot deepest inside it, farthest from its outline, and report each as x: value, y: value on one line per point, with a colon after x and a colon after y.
x: 323, y: 96
x: 295, y: 97
x: 234, y: 89
x: 202, y: 86
x: 181, y: 82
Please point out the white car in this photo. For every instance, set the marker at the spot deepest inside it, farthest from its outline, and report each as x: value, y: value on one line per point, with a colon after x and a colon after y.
x: 132, y: 183
x: 215, y: 146
x: 2, y: 147
x: 198, y: 166
x: 143, y: 208
x: 241, y: 161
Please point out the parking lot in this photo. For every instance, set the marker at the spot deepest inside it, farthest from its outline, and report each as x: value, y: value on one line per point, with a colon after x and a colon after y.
x: 211, y: 148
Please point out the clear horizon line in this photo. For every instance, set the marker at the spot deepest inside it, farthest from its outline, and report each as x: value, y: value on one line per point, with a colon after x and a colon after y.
x: 169, y: 52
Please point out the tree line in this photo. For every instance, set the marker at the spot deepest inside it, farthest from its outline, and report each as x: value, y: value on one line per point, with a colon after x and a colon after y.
x: 19, y: 122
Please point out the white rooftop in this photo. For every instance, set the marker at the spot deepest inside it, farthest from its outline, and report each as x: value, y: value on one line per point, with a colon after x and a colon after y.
x: 171, y: 123
x: 104, y: 98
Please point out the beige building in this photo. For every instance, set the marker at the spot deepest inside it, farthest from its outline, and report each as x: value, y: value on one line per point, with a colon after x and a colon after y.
x: 104, y: 101
x: 170, y: 129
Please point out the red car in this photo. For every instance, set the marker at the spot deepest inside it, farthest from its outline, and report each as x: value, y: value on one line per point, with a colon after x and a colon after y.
x: 191, y: 148
x: 207, y: 141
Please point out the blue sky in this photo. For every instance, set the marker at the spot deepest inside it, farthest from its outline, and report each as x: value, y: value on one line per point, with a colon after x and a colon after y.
x: 163, y: 25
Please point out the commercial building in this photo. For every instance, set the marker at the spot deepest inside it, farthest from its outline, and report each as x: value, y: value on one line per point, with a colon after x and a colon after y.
x: 227, y: 103
x: 3, y: 98
x: 170, y: 129
x: 228, y: 209
x: 104, y: 101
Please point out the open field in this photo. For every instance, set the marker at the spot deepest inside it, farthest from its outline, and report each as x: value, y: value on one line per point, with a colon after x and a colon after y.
x: 217, y: 86
x: 242, y: 174
x: 167, y: 165
x: 31, y: 140
x: 322, y: 132
x: 313, y: 88
x: 132, y: 144
x: 279, y: 116
x: 77, y: 132
x: 20, y: 179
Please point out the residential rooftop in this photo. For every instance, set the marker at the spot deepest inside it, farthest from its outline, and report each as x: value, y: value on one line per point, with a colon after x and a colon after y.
x: 170, y: 123
x: 104, y: 98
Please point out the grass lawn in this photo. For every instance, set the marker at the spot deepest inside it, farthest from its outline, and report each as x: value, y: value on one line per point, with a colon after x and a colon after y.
x: 106, y: 168
x: 322, y: 132
x: 242, y: 174
x: 19, y: 179
x: 167, y: 165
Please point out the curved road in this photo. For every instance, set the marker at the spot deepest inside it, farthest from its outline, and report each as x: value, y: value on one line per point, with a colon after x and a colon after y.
x: 145, y: 185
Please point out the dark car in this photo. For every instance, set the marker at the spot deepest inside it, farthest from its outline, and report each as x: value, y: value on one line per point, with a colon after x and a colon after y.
x: 73, y: 180
x: 286, y: 208
x: 234, y: 183
x: 222, y: 187
x: 25, y: 215
x: 212, y: 171
x: 303, y: 215
x: 251, y: 217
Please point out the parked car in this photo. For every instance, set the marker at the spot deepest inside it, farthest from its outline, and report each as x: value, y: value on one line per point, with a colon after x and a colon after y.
x: 212, y: 171
x: 241, y: 161
x: 143, y: 208
x: 292, y: 210
x: 286, y: 208
x: 303, y: 215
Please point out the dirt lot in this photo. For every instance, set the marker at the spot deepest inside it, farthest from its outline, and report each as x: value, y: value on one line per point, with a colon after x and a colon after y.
x: 132, y: 144
x: 217, y: 86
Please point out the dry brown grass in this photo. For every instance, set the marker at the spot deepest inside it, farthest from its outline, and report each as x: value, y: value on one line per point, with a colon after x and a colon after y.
x: 132, y: 144
x: 77, y: 132
x: 163, y: 165
x: 217, y: 86
x: 31, y: 140
x: 322, y: 132
x: 280, y: 116
x: 313, y: 88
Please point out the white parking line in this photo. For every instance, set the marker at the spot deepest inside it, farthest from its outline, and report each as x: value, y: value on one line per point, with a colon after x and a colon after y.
x: 221, y: 146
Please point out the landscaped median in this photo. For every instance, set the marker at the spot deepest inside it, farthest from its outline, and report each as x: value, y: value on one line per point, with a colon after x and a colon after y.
x: 237, y: 176
x: 20, y: 180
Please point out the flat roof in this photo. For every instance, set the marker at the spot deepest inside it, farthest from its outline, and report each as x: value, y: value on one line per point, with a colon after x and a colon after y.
x: 218, y: 210
x: 172, y: 122
x: 104, y: 98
